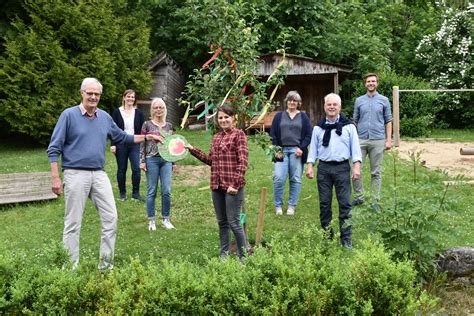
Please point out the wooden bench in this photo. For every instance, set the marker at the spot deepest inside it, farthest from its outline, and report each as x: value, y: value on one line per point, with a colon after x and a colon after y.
x: 25, y: 187
x: 265, y: 123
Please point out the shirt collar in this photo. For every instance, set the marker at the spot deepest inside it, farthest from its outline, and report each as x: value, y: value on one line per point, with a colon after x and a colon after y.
x: 333, y: 122
x: 373, y: 95
x: 84, y: 112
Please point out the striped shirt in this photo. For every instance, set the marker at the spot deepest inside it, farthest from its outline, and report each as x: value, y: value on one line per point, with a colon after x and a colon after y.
x: 228, y: 159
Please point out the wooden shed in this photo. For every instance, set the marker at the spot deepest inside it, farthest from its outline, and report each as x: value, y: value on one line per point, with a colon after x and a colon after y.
x: 311, y: 78
x: 168, y: 83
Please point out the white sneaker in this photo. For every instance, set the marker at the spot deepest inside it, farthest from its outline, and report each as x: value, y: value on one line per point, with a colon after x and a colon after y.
x: 151, y: 224
x: 278, y: 210
x: 290, y: 211
x: 167, y: 224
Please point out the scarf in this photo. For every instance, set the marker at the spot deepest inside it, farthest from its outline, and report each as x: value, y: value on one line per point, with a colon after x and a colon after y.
x: 343, y: 121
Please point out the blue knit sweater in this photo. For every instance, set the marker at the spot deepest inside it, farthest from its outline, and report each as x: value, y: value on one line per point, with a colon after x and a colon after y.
x: 81, y: 141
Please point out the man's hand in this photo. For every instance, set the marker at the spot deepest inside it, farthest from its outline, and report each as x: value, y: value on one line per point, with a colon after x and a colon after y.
x: 157, y: 138
x: 143, y: 166
x: 356, y: 170
x: 388, y: 144
x: 113, y: 149
x: 57, y: 186
x: 310, y: 171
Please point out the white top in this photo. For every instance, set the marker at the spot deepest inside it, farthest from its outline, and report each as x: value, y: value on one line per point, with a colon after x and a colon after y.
x: 128, y: 121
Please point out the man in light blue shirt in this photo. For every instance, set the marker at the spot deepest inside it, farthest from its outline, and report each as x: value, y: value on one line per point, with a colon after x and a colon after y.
x: 334, y: 142
x: 373, y: 117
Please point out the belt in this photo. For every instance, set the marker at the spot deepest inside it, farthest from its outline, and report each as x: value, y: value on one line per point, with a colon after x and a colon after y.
x: 84, y: 169
x: 335, y: 162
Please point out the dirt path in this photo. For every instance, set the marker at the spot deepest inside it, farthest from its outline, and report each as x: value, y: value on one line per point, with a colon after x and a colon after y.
x: 441, y: 155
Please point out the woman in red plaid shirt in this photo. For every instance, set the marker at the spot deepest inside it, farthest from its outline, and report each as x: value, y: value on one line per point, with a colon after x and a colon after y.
x: 228, y: 159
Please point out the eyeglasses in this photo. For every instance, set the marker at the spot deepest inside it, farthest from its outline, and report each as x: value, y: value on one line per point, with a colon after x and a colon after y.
x: 92, y: 94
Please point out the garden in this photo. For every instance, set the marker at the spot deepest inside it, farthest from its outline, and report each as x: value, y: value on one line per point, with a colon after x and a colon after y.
x: 294, y: 270
x: 47, y: 48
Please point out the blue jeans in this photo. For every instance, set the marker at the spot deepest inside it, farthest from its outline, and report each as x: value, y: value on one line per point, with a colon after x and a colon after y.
x: 292, y: 168
x: 227, y: 209
x: 158, y: 168
x: 123, y: 154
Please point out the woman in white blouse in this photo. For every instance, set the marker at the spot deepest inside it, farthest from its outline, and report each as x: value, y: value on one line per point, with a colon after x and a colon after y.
x: 130, y: 119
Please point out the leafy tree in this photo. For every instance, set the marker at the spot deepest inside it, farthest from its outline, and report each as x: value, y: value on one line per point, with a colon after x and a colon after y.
x: 229, y: 76
x: 448, y: 56
x: 48, y: 53
x: 408, y: 23
x: 296, y: 25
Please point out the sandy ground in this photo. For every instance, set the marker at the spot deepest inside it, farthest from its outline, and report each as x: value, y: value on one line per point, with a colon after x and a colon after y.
x: 441, y: 155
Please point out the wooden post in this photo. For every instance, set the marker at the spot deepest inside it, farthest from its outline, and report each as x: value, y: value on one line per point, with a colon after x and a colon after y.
x: 466, y: 151
x: 396, y: 116
x: 261, y: 214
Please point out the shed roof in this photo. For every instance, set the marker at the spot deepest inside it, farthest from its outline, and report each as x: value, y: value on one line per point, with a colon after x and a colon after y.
x: 299, y: 65
x: 164, y: 59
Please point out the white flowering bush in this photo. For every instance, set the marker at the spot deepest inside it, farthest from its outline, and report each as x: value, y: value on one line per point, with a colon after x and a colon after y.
x: 448, y: 55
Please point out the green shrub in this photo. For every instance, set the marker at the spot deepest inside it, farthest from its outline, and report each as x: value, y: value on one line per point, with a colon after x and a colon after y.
x: 408, y: 222
x: 306, y: 275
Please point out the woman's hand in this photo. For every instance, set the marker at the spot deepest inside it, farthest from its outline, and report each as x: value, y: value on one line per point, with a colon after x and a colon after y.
x: 143, y: 166
x: 188, y: 146
x: 298, y: 152
x: 279, y: 155
x: 113, y: 149
x: 232, y: 191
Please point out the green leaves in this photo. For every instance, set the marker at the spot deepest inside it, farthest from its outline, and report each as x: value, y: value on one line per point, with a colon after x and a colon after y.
x: 302, y: 275
x: 49, y: 52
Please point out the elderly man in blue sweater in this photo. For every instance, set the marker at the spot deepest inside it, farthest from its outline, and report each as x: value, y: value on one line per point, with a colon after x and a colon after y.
x: 80, y: 137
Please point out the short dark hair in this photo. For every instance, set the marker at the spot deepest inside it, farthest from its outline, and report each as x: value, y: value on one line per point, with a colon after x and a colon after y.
x: 370, y: 74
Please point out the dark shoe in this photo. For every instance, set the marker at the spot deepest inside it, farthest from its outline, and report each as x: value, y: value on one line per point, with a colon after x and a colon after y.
x: 123, y: 197
x: 347, y: 244
x: 138, y: 198
x: 356, y: 202
x: 329, y: 233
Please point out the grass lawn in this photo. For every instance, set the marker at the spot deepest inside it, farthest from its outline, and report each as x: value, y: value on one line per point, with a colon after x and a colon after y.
x: 29, y: 228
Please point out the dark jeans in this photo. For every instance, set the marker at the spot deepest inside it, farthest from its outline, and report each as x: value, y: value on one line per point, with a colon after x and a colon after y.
x: 123, y: 154
x: 227, y: 209
x: 337, y: 175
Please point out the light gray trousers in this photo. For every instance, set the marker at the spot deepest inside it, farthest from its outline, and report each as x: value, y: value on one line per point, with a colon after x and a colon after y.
x: 374, y: 149
x: 78, y: 186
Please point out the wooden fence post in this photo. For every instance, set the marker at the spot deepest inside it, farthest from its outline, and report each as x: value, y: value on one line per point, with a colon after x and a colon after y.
x: 396, y: 116
x: 261, y: 214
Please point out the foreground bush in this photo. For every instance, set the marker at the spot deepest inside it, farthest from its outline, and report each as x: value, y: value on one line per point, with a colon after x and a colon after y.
x: 304, y: 276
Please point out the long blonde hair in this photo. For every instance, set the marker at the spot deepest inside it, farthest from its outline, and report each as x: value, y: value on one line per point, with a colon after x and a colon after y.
x: 158, y: 101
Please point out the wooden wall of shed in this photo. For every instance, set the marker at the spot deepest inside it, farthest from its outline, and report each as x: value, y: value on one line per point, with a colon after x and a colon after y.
x: 168, y: 84
x: 312, y: 89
